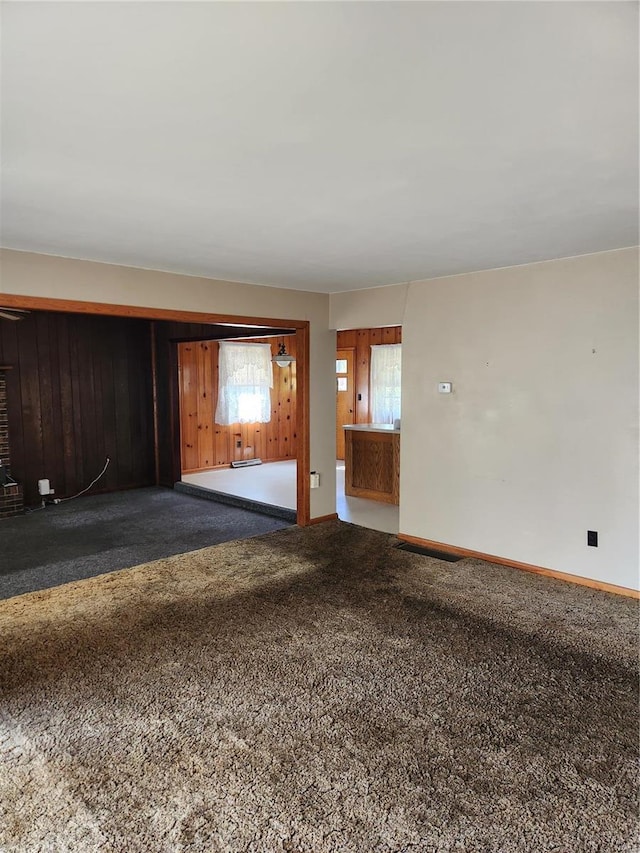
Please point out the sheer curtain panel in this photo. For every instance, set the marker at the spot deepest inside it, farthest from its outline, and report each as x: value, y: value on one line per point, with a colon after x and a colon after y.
x: 386, y: 369
x: 245, y: 377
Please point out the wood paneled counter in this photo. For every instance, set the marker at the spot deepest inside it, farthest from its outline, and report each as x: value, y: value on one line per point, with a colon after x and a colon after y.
x: 372, y: 462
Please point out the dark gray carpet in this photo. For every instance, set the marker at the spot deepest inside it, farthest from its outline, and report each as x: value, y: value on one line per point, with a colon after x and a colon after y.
x: 317, y: 690
x: 102, y: 533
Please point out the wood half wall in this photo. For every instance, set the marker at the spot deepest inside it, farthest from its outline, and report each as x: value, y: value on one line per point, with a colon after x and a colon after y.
x: 361, y: 341
x: 205, y: 444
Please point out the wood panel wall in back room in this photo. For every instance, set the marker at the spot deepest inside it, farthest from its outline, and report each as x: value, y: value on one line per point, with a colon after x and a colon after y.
x: 206, y: 444
x: 361, y: 341
x: 80, y: 390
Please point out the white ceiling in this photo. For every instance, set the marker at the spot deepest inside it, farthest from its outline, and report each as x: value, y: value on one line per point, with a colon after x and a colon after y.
x: 320, y: 146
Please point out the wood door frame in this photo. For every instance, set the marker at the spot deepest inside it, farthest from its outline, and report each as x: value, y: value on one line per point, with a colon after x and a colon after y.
x: 74, y: 306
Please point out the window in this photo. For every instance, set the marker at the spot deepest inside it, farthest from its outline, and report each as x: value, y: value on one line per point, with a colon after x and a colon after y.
x: 386, y: 362
x: 245, y: 377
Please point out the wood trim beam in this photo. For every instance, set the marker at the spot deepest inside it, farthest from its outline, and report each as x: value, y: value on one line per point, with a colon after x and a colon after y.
x: 602, y: 586
x: 74, y: 306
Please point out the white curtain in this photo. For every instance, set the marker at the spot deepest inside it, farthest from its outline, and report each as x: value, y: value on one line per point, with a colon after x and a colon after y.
x: 245, y: 375
x: 386, y: 370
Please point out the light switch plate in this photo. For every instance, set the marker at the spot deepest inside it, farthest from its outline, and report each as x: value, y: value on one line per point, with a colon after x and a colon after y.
x: 444, y: 387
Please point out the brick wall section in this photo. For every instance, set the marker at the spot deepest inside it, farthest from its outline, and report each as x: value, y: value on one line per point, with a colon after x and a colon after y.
x: 11, y: 499
x: 11, y: 502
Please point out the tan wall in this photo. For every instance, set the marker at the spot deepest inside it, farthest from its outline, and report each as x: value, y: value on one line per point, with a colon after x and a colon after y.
x: 30, y: 274
x: 539, y: 441
x: 375, y: 306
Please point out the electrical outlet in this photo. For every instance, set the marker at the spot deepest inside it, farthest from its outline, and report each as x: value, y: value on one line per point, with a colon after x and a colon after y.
x: 238, y: 444
x: 592, y: 538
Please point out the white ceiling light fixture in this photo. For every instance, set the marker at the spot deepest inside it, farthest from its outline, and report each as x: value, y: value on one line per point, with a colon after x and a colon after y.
x: 282, y: 358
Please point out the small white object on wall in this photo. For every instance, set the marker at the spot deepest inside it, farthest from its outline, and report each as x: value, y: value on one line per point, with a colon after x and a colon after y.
x: 315, y: 480
x: 444, y: 387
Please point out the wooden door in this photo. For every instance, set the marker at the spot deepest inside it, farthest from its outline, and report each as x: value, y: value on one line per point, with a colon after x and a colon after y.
x: 345, y: 395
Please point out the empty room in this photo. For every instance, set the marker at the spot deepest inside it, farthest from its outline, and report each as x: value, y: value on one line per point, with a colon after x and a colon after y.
x: 392, y: 249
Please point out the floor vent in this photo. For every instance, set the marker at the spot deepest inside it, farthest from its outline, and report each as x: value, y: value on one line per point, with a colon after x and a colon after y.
x: 429, y: 552
x: 245, y: 463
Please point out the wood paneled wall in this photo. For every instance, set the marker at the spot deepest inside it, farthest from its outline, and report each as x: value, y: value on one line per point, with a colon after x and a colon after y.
x: 168, y: 414
x: 361, y: 340
x: 80, y: 390
x: 205, y: 444
x: 165, y: 333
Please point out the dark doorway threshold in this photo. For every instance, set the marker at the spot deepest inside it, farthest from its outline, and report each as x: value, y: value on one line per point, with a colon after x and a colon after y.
x: 235, y: 500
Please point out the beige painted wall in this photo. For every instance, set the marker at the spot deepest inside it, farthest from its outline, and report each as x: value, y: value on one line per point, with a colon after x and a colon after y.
x: 29, y: 274
x: 368, y: 309
x: 539, y: 441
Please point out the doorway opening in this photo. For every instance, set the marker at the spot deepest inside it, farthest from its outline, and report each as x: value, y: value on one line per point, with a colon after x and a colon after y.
x: 368, y: 426
x: 166, y: 327
x: 249, y: 462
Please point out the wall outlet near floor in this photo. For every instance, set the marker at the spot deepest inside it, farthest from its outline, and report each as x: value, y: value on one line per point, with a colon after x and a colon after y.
x: 592, y: 538
x: 315, y: 480
x: 44, y: 488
